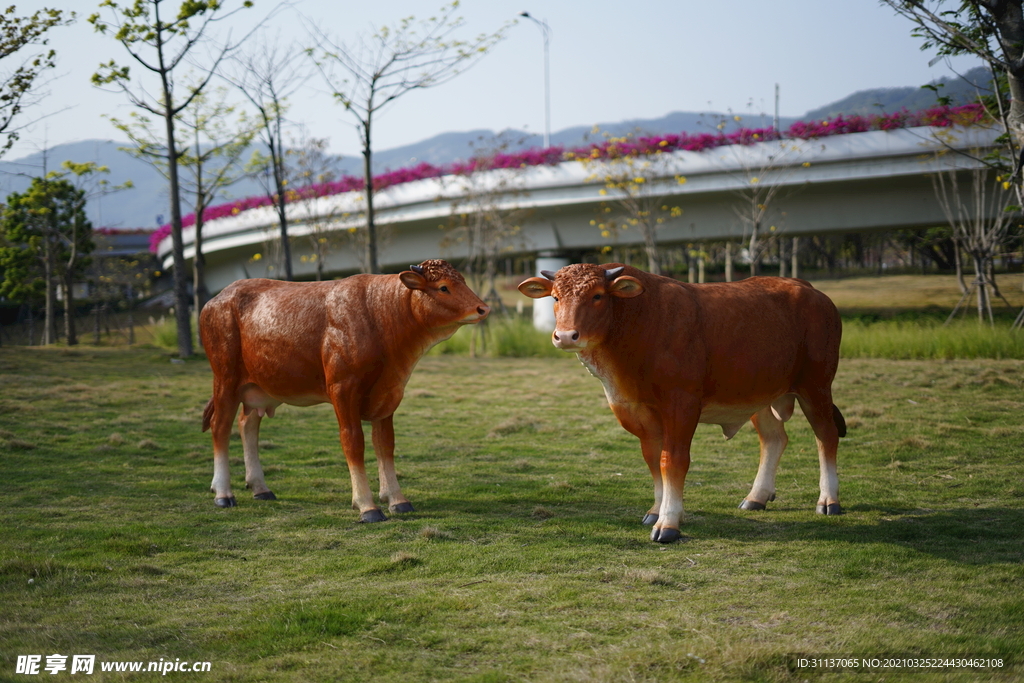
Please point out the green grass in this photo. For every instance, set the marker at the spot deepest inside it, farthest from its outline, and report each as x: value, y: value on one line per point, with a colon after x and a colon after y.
x: 928, y: 338
x: 525, y: 560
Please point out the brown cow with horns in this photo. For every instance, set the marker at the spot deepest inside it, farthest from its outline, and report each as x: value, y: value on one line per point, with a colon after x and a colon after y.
x: 672, y: 355
x: 352, y: 343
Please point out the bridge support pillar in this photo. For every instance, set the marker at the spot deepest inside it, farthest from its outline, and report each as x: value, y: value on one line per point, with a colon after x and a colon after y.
x: 544, y: 309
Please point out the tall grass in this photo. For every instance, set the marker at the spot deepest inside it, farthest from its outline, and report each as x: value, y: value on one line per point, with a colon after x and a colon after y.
x: 500, y: 337
x: 926, y: 339
x: 916, y: 338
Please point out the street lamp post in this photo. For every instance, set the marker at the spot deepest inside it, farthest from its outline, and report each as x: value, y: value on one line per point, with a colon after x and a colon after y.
x: 546, y: 30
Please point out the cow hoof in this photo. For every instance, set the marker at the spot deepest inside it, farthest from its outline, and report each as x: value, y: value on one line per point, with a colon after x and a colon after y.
x: 665, y: 535
x: 402, y: 507
x: 650, y: 519
x: 830, y: 509
x: 374, y: 515
x: 266, y: 495
x: 771, y: 498
x: 225, y: 502
x: 751, y: 505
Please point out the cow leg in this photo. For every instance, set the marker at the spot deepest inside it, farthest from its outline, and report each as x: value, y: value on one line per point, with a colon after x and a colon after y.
x: 639, y: 421
x: 353, y: 444
x: 651, y: 448
x: 819, y: 412
x: 675, y: 463
x: 249, y: 428
x: 384, y: 447
x: 772, y: 434
x: 224, y: 410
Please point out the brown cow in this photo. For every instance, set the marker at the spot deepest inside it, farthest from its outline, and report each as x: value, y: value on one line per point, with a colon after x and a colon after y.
x: 352, y: 343
x: 671, y: 355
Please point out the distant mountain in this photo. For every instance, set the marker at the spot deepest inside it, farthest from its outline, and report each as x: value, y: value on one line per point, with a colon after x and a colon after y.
x: 865, y: 102
x: 145, y: 205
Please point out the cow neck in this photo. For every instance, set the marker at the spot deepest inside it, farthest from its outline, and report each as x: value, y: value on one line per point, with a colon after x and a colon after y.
x: 405, y: 335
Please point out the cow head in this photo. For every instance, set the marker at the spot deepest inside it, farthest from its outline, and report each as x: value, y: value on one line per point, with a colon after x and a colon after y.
x: 444, y: 299
x: 584, y: 295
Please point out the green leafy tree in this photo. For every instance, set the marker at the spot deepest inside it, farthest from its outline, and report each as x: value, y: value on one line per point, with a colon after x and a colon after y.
x: 20, y: 68
x: 49, y: 239
x: 368, y: 75
x: 161, y: 44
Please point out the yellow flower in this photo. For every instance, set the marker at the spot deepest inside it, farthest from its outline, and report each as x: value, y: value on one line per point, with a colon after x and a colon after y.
x: 638, y: 180
x: 806, y: 164
x: 755, y: 181
x: 680, y: 179
x: 606, y: 249
x: 737, y: 118
x: 1006, y: 185
x: 257, y: 257
x: 602, y: 192
x: 663, y: 143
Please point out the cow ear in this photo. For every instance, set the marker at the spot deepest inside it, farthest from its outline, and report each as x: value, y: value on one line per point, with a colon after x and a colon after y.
x: 536, y: 287
x: 412, y: 280
x: 626, y: 287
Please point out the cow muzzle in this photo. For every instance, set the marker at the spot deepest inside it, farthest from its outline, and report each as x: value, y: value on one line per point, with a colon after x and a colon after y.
x: 567, y: 340
x: 482, y: 311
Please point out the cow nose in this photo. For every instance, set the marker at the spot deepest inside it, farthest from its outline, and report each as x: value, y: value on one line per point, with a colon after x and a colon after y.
x: 563, y: 337
x: 483, y: 310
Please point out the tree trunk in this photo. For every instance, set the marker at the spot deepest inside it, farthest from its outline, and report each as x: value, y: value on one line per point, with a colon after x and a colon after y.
x: 200, y: 295
x: 69, y: 309
x: 371, y: 226
x: 958, y: 261
x: 282, y: 210
x: 181, y: 299
x: 651, y: 248
x: 752, y: 248
x: 728, y: 261
x: 795, y: 269
x: 50, y: 329
x: 782, y: 257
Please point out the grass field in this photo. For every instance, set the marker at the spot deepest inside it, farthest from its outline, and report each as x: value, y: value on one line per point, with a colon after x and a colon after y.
x: 525, y: 560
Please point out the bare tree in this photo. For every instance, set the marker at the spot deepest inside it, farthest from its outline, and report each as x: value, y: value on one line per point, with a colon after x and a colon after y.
x: 161, y: 46
x: 980, y: 223
x: 485, y: 215
x: 763, y: 168
x: 369, y: 74
x: 637, y: 183
x: 210, y: 147
x: 268, y: 74
x: 311, y: 166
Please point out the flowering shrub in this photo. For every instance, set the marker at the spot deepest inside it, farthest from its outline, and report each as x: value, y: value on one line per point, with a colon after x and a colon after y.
x: 937, y: 117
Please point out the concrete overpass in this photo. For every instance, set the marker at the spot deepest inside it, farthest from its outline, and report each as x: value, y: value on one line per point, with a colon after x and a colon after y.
x: 876, y: 180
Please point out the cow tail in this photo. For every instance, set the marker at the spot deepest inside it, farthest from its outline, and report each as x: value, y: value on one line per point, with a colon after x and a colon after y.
x: 209, y: 410
x: 840, y: 421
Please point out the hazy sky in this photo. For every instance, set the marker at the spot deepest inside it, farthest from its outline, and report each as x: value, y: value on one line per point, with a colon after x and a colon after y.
x: 609, y: 61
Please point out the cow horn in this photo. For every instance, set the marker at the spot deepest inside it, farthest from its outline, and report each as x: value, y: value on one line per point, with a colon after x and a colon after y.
x: 416, y: 269
x: 548, y: 274
x: 613, y: 273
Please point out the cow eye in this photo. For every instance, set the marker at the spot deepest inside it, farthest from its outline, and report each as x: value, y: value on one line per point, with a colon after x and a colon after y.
x: 444, y: 288
x: 554, y: 297
x: 597, y: 297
